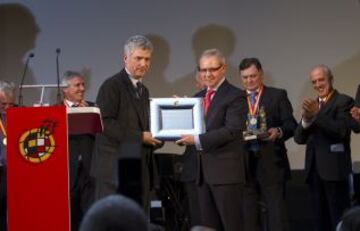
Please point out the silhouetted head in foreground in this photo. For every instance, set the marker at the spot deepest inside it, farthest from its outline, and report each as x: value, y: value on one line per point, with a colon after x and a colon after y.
x: 114, y: 213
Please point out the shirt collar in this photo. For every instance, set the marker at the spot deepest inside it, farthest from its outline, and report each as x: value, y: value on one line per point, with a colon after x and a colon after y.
x: 132, y: 79
x: 217, y: 86
x: 69, y: 103
x: 257, y: 90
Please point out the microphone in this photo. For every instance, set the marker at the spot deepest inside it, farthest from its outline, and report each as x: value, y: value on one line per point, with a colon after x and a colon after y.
x: 58, y: 75
x: 31, y: 55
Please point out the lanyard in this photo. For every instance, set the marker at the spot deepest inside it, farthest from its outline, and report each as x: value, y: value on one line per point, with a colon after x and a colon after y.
x: 2, y: 127
x: 253, y: 108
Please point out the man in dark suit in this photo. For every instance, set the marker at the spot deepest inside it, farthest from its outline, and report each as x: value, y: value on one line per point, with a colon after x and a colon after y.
x: 355, y: 113
x: 325, y: 130
x: 7, y: 100
x: 221, y: 168
x: 123, y: 157
x: 82, y: 185
x: 267, y: 161
x: 190, y: 168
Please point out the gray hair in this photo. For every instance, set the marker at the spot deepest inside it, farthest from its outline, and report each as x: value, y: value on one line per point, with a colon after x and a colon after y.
x: 214, y: 52
x: 327, y: 71
x: 8, y: 88
x: 69, y: 75
x: 136, y: 42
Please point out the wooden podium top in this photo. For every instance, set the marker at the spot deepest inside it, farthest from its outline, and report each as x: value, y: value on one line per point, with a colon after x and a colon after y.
x: 84, y: 120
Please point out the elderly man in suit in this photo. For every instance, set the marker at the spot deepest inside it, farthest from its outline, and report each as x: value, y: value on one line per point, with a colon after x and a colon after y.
x: 7, y: 100
x: 122, y: 160
x: 221, y: 173
x: 267, y: 161
x: 325, y: 130
x: 82, y: 185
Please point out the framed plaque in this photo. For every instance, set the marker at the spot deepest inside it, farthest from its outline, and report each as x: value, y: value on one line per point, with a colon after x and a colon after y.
x: 172, y: 117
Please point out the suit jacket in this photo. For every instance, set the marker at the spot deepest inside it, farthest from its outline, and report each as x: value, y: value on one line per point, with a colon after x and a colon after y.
x: 125, y: 117
x: 354, y: 124
x: 222, y: 157
x: 191, y: 157
x: 328, y: 139
x: 273, y: 164
x: 80, y: 147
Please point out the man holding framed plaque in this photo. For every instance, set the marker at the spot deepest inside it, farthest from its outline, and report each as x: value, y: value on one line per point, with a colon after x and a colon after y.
x: 221, y: 176
x: 270, y: 122
x: 122, y: 161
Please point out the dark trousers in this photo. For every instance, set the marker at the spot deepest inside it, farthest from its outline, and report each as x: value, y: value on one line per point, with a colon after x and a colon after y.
x: 330, y: 199
x: 2, y: 199
x: 133, y: 182
x: 222, y: 206
x: 264, y: 202
x: 81, y: 197
x: 193, y: 203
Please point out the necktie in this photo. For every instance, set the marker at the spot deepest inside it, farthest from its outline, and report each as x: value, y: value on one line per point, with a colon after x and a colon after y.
x: 139, y: 89
x: 253, y: 97
x: 321, y: 103
x: 207, y: 100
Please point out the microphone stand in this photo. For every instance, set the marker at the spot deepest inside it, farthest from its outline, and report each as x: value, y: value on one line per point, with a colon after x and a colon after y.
x: 58, y: 98
x: 23, y: 79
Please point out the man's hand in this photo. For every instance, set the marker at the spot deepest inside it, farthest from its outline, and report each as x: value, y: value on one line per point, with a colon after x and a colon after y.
x: 273, y: 134
x: 148, y: 139
x: 355, y: 113
x: 310, y: 108
x: 186, y: 140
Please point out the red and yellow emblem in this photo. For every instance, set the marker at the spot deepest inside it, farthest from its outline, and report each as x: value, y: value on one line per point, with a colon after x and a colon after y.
x: 36, y: 145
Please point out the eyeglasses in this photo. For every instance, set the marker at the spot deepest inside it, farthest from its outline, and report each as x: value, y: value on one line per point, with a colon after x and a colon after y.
x: 211, y: 69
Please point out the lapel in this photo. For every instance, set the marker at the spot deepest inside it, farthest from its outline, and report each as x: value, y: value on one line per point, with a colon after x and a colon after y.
x: 138, y: 103
x: 216, y: 100
x: 330, y: 104
x: 265, y: 97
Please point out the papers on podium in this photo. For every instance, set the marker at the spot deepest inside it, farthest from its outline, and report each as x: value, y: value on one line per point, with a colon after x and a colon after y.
x: 84, y: 120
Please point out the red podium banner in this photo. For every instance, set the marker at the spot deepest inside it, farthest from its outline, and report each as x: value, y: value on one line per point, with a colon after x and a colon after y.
x: 37, y: 169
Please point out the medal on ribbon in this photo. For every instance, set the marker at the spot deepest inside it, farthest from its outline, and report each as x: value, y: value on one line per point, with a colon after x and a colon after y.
x: 3, y: 131
x: 253, y: 108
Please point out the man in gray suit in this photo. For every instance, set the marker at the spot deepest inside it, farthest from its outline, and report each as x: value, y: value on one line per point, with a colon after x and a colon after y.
x: 122, y: 162
x: 325, y: 130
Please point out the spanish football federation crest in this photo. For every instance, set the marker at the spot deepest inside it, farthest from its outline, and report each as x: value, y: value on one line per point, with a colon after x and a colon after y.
x: 37, y: 144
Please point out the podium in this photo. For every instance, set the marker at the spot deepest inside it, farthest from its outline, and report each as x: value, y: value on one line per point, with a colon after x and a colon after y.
x: 38, y: 196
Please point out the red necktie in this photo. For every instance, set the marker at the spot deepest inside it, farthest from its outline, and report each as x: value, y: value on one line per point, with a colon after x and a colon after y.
x: 207, y: 100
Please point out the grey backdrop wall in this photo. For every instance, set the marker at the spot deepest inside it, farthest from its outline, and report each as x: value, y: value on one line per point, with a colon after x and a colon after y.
x: 289, y: 37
